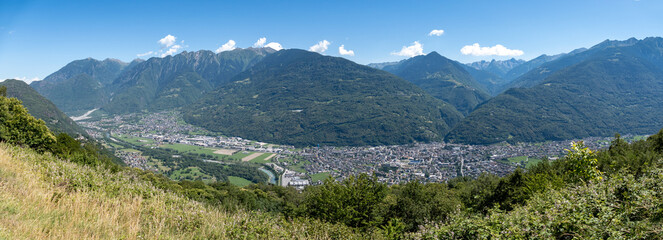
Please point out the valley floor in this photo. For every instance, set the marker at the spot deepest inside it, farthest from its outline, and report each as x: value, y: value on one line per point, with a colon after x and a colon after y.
x: 426, y: 162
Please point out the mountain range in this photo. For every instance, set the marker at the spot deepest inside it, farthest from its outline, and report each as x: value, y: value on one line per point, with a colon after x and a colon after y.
x: 176, y: 81
x: 153, y: 84
x: 82, y: 84
x: 302, y: 98
x: 499, y: 68
x: 613, y: 87
x: 442, y: 78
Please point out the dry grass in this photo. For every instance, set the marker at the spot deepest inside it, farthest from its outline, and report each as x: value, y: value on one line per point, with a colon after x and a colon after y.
x: 33, y: 209
x: 42, y: 197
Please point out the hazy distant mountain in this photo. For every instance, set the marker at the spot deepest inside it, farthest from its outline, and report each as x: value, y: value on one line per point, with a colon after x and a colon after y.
x: 529, y: 65
x: 496, y: 80
x: 491, y: 82
x: 614, y: 87
x: 538, y: 74
x: 381, y: 65
x: 499, y: 68
x: 82, y: 84
x: 442, y: 78
x: 40, y: 107
x: 305, y: 99
x: 175, y: 81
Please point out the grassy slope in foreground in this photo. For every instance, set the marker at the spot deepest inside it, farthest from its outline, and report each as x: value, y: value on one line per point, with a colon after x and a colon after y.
x: 42, y: 197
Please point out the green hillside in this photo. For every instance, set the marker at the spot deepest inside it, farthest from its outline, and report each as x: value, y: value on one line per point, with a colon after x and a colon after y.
x: 534, y: 63
x: 538, y: 74
x: 618, y: 89
x: 82, y: 84
x: 177, y: 81
x: 442, y: 78
x: 305, y: 99
x: 42, y: 108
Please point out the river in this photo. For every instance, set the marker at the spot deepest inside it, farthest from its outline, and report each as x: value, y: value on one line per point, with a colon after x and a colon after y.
x: 272, y: 177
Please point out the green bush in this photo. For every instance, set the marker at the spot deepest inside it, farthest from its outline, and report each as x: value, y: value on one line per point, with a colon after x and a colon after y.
x: 20, y: 128
x: 355, y: 201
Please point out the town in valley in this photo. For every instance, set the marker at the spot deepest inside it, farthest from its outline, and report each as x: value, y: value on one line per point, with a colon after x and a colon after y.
x: 299, y: 167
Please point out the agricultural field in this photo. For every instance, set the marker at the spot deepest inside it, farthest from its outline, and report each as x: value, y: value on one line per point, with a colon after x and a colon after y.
x: 637, y: 138
x: 218, y: 153
x: 319, y: 176
x: 190, y: 173
x: 238, y: 181
x: 295, y: 165
x: 528, y: 160
x: 532, y: 162
x: 186, y: 148
x: 240, y: 155
x: 134, y: 140
x: 264, y: 158
x: 251, y: 157
x: 128, y: 150
x: 225, y: 151
x: 113, y: 145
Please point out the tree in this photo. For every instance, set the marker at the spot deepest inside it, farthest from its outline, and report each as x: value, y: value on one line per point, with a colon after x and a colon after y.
x: 417, y: 203
x: 19, y: 127
x: 355, y: 201
x: 582, y: 164
x: 657, y: 141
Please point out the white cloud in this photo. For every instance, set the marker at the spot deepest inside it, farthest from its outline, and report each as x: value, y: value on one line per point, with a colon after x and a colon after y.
x: 436, y: 32
x: 145, y: 54
x: 260, y: 43
x: 320, y: 47
x: 497, y: 50
x: 342, y: 51
x: 169, y: 46
x: 172, y: 50
x: 27, y: 80
x: 167, y: 41
x: 229, y: 46
x: 415, y: 49
x: 274, y: 45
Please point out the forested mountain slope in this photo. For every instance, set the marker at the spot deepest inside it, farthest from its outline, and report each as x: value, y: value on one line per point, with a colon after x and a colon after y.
x: 305, y: 99
x: 617, y: 89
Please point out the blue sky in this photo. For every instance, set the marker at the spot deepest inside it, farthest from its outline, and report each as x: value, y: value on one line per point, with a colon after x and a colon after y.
x: 39, y: 37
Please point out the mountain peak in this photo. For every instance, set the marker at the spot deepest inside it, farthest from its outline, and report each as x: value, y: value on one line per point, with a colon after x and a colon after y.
x: 114, y: 60
x: 433, y: 53
x: 593, y: 93
x: 616, y: 43
x: 443, y: 78
x: 302, y: 98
